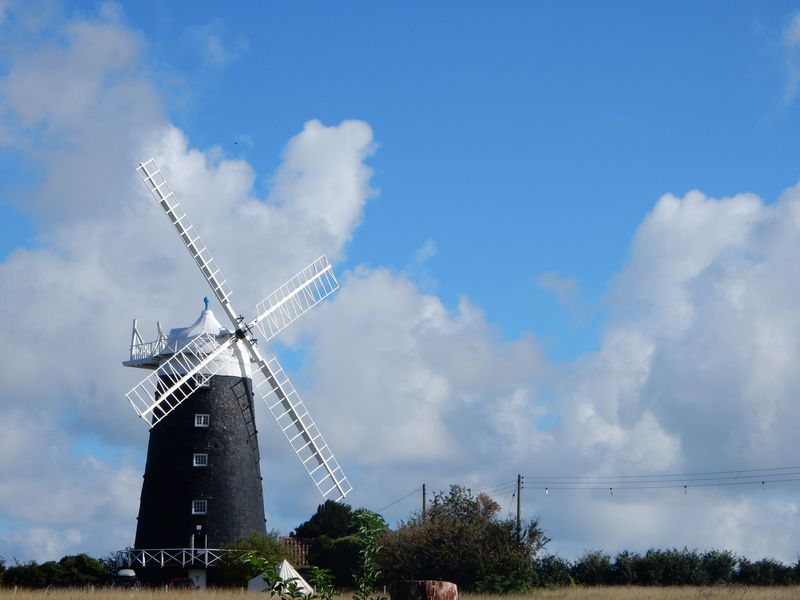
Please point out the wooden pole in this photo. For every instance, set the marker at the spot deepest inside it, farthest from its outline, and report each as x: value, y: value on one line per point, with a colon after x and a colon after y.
x: 519, y: 503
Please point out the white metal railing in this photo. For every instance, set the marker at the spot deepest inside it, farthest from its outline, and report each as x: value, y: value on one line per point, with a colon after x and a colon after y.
x: 158, y: 394
x: 169, y: 557
x: 147, y: 350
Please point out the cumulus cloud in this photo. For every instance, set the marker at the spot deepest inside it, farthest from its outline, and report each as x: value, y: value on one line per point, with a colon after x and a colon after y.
x: 4, y: 6
x: 425, y: 252
x: 212, y: 43
x: 694, y: 372
x: 105, y: 254
x: 562, y: 287
x: 791, y: 43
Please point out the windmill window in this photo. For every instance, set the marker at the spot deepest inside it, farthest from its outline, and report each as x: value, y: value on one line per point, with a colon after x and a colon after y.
x: 201, y: 381
x: 201, y: 420
x: 200, y: 459
x: 199, y: 507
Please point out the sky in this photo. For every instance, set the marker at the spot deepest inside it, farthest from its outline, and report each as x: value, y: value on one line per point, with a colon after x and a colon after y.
x: 565, y: 236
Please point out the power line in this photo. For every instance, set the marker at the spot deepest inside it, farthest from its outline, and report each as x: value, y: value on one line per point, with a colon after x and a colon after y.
x: 613, y: 483
x: 697, y: 480
x: 499, y: 488
x: 662, y: 475
x: 510, y: 501
x: 414, y: 491
x: 660, y: 485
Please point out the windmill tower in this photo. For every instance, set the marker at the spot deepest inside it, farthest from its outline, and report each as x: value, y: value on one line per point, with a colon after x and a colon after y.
x: 202, y: 485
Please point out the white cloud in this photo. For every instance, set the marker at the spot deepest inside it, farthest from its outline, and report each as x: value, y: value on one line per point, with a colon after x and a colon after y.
x: 791, y: 42
x: 4, y: 6
x: 695, y: 370
x: 106, y: 255
x: 562, y: 287
x: 414, y: 375
x: 212, y: 44
x: 425, y: 252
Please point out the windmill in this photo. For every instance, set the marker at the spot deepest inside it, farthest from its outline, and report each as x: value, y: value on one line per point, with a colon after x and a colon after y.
x: 202, y: 484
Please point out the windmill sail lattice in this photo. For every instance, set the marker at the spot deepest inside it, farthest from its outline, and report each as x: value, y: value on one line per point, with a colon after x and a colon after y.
x: 158, y: 186
x: 295, y: 297
x: 177, y: 378
x: 302, y: 433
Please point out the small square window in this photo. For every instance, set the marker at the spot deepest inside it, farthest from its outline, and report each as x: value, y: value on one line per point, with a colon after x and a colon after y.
x: 201, y: 381
x: 201, y: 420
x: 200, y: 459
x: 199, y: 507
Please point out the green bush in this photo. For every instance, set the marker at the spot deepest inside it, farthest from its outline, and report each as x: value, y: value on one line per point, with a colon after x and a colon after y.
x: 332, y: 519
x: 339, y: 556
x: 593, y: 568
x: 766, y: 571
x: 24, y: 575
x: 671, y: 567
x: 462, y: 539
x: 235, y: 571
x: 553, y: 571
x: 79, y: 570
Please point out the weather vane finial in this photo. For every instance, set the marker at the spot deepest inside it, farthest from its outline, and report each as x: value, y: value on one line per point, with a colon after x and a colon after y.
x: 206, y: 301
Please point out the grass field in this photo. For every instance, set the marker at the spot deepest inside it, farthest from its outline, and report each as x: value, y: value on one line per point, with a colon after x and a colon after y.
x: 575, y: 593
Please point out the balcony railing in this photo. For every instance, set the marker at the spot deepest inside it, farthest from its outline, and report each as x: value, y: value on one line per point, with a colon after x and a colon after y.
x: 148, y: 349
x: 133, y: 558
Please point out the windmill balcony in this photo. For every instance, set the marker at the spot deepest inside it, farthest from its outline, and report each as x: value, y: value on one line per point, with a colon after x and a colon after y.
x: 148, y: 350
x: 167, y: 557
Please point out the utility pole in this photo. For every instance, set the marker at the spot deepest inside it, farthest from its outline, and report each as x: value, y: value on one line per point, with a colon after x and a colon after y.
x: 424, y: 501
x: 519, y: 502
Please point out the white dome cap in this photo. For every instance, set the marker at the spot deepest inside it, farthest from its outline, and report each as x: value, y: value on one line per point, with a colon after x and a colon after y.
x: 238, y: 363
x: 206, y: 323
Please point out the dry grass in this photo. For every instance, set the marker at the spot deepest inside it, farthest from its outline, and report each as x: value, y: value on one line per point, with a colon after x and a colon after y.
x: 575, y: 593
x: 650, y: 593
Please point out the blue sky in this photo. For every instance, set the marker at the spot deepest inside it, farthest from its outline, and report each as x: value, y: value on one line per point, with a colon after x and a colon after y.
x: 535, y: 134
x: 522, y: 140
x: 504, y: 165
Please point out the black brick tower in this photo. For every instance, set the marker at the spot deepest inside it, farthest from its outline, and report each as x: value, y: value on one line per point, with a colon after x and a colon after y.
x: 202, y: 484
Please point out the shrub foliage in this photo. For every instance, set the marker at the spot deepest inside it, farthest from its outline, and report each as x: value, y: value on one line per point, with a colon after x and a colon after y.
x: 669, y: 568
x: 235, y: 571
x: 462, y: 539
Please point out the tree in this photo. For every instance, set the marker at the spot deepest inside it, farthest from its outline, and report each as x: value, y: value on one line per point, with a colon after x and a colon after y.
x: 332, y: 519
x: 335, y: 546
x: 235, y: 571
x: 339, y: 556
x: 24, y: 575
x: 623, y: 571
x: 462, y: 539
x: 719, y: 566
x: 593, y: 568
x: 79, y: 570
x: 766, y: 571
x: 553, y: 571
x: 370, y: 527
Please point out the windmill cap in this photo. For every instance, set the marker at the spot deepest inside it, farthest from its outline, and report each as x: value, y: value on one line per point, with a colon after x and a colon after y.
x: 232, y: 362
x: 205, y: 323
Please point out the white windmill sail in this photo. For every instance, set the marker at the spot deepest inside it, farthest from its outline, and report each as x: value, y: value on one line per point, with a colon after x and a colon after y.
x: 295, y: 297
x: 306, y: 289
x: 301, y: 431
x: 158, y: 186
x: 161, y: 392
